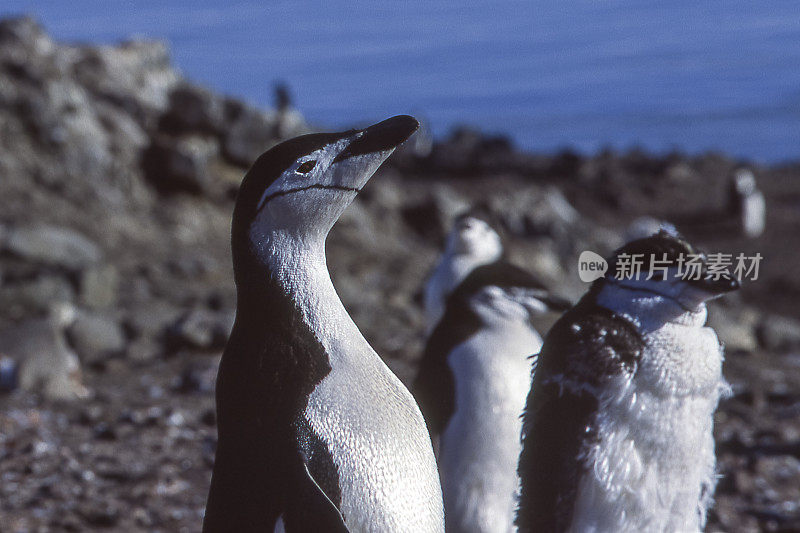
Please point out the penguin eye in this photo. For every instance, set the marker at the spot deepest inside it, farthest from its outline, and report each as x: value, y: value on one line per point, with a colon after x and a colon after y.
x: 306, y: 167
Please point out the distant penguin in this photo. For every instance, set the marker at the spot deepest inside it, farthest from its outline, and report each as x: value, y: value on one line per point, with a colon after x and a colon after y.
x: 473, y: 379
x: 288, y: 121
x: 315, y: 432
x: 747, y: 203
x: 618, y: 425
x: 646, y: 226
x: 473, y: 241
x: 35, y: 356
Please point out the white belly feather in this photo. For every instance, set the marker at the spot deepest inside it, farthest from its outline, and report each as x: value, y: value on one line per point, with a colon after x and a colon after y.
x: 652, y: 467
x: 371, y: 424
x: 381, y: 449
x: 481, y: 444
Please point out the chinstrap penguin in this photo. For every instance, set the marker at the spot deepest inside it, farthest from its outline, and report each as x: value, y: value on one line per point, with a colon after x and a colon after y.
x: 473, y: 379
x: 617, y: 431
x: 315, y: 432
x: 473, y: 241
x: 747, y: 203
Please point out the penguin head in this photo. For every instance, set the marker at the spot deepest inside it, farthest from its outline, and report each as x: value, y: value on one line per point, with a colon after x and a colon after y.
x: 501, y: 292
x: 301, y: 186
x: 744, y: 182
x: 493, y: 304
x: 672, y: 274
x: 474, y: 234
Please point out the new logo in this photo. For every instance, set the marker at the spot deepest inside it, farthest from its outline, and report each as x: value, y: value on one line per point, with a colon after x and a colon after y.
x: 591, y: 266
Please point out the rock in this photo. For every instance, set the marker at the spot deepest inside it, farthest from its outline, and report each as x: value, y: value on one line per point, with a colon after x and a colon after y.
x: 101, y: 513
x: 779, y: 333
x: 104, y: 431
x: 95, y: 337
x: 143, y: 350
x: 24, y: 32
x: 431, y: 217
x: 425, y: 219
x: 151, y: 320
x: 560, y: 207
x: 144, y: 518
x: 135, y: 76
x: 78, y: 116
x: 465, y: 150
x: 200, y: 329
x: 785, y: 468
x: 736, y: 328
x: 540, y: 212
x: 680, y: 173
x: 193, y: 109
x: 180, y: 165
x: 98, y: 286
x: 196, y: 378
x: 53, y: 246
x: 32, y: 297
x: 250, y: 132
x: 567, y: 164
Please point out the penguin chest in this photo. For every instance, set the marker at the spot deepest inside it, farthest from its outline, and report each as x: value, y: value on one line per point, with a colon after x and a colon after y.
x: 651, y: 464
x: 480, y: 445
x: 380, y: 448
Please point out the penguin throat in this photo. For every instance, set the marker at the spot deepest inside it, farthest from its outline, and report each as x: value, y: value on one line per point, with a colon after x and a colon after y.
x: 647, y: 310
x: 322, y: 186
x: 298, y: 268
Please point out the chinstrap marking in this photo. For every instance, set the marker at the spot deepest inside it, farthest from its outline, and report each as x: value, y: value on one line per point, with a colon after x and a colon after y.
x: 266, y: 199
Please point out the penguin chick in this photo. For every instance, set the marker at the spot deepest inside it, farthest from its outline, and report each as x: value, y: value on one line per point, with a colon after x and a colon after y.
x: 315, y: 432
x: 472, y: 242
x: 618, y: 424
x: 472, y: 383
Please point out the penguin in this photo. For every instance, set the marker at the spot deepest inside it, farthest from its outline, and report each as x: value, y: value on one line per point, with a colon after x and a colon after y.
x: 35, y: 356
x: 617, y: 431
x: 288, y: 120
x: 646, y: 226
x: 473, y: 241
x: 315, y: 433
x: 472, y: 382
x: 746, y: 203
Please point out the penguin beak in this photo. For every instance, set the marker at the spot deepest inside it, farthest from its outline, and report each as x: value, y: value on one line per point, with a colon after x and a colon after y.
x: 381, y: 137
x: 716, y: 287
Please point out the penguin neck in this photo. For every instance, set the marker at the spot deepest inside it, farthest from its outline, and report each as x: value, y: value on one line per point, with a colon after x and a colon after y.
x: 647, y: 311
x: 298, y: 266
x: 455, y: 268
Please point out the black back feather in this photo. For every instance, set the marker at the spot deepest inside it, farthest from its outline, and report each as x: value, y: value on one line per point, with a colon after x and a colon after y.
x: 586, y: 347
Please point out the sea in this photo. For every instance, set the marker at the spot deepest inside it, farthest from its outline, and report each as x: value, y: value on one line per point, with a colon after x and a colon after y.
x: 686, y: 75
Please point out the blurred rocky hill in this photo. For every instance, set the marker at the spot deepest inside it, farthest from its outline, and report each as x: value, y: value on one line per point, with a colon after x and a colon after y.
x: 117, y: 180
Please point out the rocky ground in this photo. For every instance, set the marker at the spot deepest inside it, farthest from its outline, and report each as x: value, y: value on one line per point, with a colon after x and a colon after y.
x: 117, y: 178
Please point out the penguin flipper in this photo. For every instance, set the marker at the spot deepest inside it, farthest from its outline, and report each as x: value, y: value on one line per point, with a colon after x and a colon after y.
x: 312, y: 509
x: 586, y: 347
x: 563, y: 421
x: 434, y: 387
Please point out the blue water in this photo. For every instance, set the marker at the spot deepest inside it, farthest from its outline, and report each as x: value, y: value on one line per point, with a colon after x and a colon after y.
x: 692, y: 75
